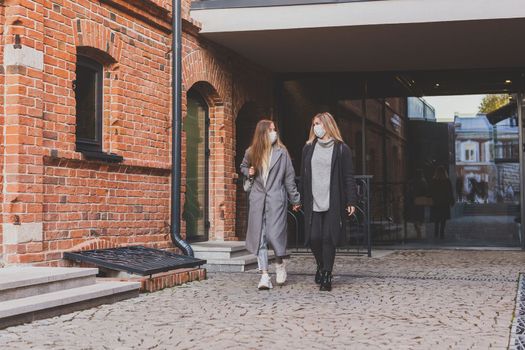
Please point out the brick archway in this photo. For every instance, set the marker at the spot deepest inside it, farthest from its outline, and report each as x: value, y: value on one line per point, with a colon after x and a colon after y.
x: 200, y: 66
x: 220, y: 135
x: 95, y: 35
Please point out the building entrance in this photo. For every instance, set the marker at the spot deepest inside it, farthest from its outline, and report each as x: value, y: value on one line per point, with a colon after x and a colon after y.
x: 438, y: 178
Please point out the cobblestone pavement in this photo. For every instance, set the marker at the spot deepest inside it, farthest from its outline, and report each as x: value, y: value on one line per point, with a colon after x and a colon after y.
x: 402, y: 300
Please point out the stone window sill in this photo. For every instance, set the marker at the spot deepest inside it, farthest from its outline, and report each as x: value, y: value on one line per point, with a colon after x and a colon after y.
x: 106, y: 157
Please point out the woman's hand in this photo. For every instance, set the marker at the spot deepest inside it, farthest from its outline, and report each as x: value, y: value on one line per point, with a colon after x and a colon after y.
x: 251, y: 171
x: 350, y: 210
x: 296, y: 207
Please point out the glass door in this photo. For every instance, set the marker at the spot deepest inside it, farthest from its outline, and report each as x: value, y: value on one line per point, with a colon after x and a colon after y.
x: 196, y: 201
x: 521, y: 114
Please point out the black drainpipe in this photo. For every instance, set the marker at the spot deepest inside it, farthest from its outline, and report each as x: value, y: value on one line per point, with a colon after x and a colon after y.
x: 176, y: 149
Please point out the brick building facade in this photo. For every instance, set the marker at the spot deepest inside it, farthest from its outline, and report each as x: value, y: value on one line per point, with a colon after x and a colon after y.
x: 55, y: 198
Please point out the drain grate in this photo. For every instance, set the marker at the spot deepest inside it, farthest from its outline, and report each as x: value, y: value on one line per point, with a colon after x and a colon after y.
x: 136, y: 259
x: 468, y: 278
x: 406, y: 276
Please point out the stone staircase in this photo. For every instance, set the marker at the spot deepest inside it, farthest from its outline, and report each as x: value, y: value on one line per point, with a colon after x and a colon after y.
x: 32, y: 293
x: 230, y: 256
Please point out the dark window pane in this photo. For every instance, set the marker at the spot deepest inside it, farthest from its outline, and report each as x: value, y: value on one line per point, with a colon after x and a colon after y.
x: 86, y: 103
x: 88, y: 96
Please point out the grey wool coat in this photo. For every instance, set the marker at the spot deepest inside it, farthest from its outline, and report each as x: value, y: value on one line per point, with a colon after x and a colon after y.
x: 270, y: 201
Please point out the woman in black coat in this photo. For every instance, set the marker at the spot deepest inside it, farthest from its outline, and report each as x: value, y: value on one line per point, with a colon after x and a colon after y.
x: 328, y: 190
x: 442, y: 200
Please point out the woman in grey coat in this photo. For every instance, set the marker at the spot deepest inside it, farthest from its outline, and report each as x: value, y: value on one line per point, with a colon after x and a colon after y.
x: 268, y: 165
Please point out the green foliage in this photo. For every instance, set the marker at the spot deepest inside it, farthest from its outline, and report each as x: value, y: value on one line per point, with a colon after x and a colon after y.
x: 492, y: 102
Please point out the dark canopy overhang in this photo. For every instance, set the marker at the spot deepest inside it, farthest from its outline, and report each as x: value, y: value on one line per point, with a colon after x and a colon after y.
x: 502, y: 113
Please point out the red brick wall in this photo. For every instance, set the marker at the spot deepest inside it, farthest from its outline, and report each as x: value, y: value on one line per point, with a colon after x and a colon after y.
x: 23, y: 85
x: 86, y: 200
x: 74, y: 200
x: 2, y: 84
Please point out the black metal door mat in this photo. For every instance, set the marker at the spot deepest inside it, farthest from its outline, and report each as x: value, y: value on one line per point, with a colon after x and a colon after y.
x: 136, y: 259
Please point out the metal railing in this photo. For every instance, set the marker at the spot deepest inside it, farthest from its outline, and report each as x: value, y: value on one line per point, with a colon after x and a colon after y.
x: 388, y: 214
x: 357, y: 239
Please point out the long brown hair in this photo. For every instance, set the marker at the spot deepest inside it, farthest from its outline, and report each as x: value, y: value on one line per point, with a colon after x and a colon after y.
x: 260, y: 147
x: 329, y: 124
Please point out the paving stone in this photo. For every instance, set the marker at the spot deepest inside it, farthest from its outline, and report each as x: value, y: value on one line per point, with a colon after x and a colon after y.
x: 404, y: 300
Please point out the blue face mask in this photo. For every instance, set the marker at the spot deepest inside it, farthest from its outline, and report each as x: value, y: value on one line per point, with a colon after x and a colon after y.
x: 272, y: 135
x: 319, y: 131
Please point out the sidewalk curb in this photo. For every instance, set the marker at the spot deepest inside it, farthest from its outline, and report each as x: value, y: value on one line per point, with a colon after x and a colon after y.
x: 517, y: 332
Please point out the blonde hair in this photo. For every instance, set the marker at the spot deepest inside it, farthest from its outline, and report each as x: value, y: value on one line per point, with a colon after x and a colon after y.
x: 329, y: 124
x: 261, y: 145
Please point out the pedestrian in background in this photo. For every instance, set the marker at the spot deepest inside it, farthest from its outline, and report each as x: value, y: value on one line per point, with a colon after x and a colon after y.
x: 419, y: 200
x: 442, y: 200
x: 267, y: 163
x: 328, y: 192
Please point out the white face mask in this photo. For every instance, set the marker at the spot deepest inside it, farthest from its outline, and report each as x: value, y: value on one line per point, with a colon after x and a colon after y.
x: 272, y: 135
x: 319, y: 131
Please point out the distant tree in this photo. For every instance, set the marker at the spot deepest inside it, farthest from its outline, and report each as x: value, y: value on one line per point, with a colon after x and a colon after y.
x: 490, y: 103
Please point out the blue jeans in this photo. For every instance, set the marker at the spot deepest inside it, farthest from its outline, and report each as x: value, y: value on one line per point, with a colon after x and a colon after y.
x: 262, y: 254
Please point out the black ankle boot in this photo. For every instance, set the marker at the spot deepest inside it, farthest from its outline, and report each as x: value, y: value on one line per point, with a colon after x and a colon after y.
x: 318, y: 275
x: 326, y: 281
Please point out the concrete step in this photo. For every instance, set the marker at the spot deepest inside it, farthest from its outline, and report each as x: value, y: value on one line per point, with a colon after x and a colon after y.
x: 23, y: 282
x: 219, y: 250
x: 220, y: 255
x: 229, y: 256
x: 241, y: 263
x: 17, y: 311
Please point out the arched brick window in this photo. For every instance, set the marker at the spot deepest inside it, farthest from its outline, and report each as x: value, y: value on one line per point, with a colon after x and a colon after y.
x: 196, y: 204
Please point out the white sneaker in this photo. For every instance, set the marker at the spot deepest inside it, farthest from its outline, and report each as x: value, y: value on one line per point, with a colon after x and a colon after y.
x: 281, y: 273
x: 265, y: 282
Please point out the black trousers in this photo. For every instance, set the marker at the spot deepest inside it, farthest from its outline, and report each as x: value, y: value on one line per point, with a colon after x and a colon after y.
x: 321, y: 241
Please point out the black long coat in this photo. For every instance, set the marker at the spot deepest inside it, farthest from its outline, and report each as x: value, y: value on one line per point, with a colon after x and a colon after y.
x: 343, y: 190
